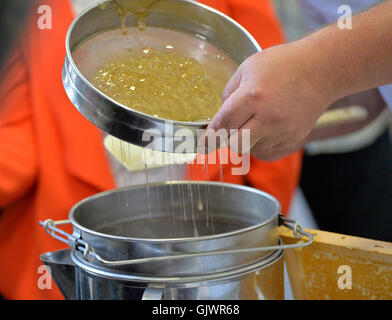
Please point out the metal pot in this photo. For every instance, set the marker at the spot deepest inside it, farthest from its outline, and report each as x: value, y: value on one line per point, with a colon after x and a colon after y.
x: 259, y: 281
x: 160, y: 237
x: 116, y: 119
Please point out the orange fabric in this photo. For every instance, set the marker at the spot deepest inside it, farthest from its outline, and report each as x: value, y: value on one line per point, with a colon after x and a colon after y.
x: 52, y: 157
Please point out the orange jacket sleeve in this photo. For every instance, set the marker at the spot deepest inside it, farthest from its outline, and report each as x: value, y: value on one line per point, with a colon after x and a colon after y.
x: 18, y: 165
x: 259, y: 18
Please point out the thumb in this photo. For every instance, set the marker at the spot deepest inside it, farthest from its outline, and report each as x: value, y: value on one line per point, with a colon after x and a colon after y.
x: 233, y: 114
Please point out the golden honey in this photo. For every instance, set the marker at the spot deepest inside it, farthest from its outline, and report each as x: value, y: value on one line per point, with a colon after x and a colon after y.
x: 162, y: 84
x: 163, y: 73
x: 141, y: 9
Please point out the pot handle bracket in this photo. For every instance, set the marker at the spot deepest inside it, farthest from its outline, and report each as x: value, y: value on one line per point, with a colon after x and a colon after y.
x: 73, y: 240
x: 298, y: 231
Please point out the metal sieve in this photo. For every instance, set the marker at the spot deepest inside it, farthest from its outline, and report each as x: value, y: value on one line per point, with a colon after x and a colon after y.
x: 96, y: 37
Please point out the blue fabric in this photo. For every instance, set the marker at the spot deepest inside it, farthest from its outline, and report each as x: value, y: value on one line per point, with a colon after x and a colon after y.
x: 322, y: 12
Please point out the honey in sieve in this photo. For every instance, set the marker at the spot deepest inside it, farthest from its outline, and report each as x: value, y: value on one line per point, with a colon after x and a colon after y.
x: 164, y: 73
x: 162, y: 84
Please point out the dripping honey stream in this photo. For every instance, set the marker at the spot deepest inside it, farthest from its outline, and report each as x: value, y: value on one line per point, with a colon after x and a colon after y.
x: 167, y: 83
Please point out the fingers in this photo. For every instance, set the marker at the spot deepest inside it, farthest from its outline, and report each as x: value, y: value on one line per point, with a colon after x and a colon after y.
x: 234, y: 113
x: 246, y: 137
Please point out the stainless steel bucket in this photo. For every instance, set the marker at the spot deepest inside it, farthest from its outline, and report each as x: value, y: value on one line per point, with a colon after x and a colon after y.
x: 178, y: 239
x: 114, y: 118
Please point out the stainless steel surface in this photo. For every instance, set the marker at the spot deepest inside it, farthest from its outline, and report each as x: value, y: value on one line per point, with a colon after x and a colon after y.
x: 116, y: 231
x: 138, y: 223
x: 90, y: 255
x: 159, y: 222
x: 62, y: 270
x: 125, y: 123
x: 153, y: 294
x: 262, y: 280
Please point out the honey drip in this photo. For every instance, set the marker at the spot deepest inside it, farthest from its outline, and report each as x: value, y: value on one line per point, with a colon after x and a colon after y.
x: 141, y: 9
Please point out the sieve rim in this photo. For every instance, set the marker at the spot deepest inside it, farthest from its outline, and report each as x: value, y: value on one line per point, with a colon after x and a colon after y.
x: 273, y: 217
x: 69, y: 57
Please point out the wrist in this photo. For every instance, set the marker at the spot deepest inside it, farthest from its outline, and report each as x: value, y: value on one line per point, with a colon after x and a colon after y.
x: 323, y: 70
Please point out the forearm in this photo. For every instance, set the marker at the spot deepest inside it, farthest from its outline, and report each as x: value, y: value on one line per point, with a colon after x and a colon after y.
x: 343, y: 62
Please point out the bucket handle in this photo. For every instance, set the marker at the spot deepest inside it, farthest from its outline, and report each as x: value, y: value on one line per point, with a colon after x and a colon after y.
x: 90, y: 255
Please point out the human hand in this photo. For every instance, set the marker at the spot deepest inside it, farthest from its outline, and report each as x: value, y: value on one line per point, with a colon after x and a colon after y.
x: 278, y: 95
